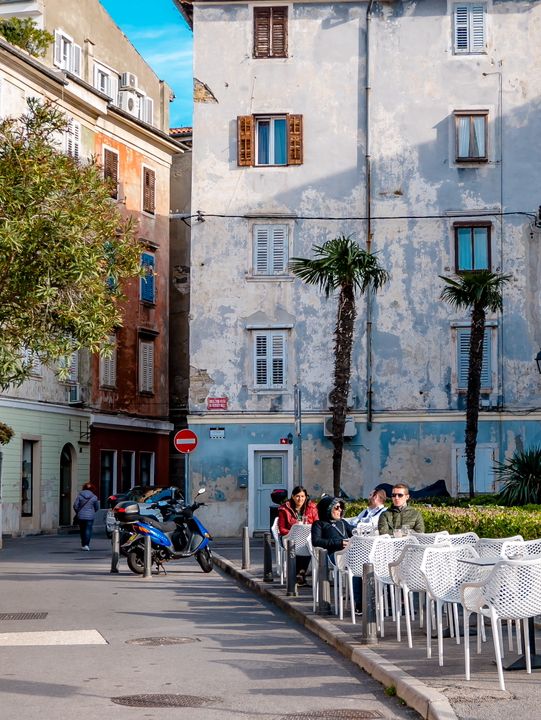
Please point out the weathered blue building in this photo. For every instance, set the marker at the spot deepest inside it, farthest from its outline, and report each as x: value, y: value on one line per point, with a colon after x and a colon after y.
x: 413, y: 127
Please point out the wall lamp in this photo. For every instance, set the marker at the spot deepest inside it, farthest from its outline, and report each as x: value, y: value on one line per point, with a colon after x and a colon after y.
x: 538, y: 360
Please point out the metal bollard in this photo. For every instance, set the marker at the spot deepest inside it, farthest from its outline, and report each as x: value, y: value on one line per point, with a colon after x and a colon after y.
x: 267, y: 558
x: 323, y: 583
x: 115, y: 549
x: 245, y: 549
x: 291, y: 588
x: 369, y: 635
x: 147, y: 573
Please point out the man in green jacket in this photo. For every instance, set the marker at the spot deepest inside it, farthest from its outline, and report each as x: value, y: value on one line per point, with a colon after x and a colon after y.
x: 400, y: 516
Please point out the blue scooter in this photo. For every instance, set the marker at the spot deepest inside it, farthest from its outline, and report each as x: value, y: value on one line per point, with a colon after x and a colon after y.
x: 181, y: 537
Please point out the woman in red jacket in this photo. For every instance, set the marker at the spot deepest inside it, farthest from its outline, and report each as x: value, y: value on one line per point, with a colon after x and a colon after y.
x: 299, y: 508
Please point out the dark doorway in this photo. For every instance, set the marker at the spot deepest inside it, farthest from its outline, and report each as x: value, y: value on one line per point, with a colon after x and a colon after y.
x: 64, y: 508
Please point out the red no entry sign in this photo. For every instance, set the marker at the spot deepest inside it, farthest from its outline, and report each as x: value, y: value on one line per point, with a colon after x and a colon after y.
x: 185, y: 441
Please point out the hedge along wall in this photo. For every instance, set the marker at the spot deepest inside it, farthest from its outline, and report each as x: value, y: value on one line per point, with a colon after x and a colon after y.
x: 489, y: 522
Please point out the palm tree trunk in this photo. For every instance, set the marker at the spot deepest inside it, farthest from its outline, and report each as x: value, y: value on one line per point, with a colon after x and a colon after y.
x: 474, y: 391
x: 343, y: 343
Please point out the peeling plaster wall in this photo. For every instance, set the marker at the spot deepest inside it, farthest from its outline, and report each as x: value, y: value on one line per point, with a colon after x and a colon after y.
x: 417, y: 83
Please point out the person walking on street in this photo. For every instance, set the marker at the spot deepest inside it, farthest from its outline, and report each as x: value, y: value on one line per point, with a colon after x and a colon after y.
x: 400, y: 516
x: 86, y: 506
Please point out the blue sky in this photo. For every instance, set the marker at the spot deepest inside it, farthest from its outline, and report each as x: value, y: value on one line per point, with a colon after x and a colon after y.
x: 160, y: 34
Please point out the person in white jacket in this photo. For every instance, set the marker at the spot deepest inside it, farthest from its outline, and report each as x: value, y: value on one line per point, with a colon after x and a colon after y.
x: 369, y: 517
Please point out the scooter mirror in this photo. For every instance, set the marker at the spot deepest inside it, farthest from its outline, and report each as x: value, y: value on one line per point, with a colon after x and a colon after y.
x: 201, y: 491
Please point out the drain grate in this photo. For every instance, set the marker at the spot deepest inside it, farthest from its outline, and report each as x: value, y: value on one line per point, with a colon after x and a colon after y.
x: 24, y: 616
x: 164, y: 700
x: 157, y: 641
x: 335, y: 714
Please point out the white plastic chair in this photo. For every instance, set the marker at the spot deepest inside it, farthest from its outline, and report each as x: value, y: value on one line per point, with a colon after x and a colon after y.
x: 444, y: 575
x: 467, y: 538
x: 512, y: 549
x: 301, y: 535
x: 490, y: 547
x: 351, y: 560
x: 430, y: 538
x: 279, y: 553
x: 407, y: 576
x: 512, y: 590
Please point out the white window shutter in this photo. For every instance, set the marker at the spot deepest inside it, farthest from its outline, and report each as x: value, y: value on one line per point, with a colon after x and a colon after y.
x: 73, y: 138
x: 278, y: 359
x: 76, y: 58
x: 149, y: 110
x: 74, y: 367
x: 113, y: 89
x: 261, y: 250
x: 146, y: 367
x: 461, y: 28
x: 279, y: 249
x: 260, y: 351
x: 57, y: 48
x: 477, y: 40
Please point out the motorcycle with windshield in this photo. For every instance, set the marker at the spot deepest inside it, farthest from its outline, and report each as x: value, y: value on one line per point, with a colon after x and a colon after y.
x: 182, y: 536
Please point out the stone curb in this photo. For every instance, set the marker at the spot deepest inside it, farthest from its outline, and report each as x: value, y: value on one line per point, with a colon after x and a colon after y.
x: 428, y: 702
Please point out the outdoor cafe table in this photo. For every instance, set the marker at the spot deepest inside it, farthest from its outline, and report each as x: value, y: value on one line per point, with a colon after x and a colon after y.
x: 520, y: 663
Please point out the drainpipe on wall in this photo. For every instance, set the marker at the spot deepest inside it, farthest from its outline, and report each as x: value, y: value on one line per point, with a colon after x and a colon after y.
x: 368, y: 223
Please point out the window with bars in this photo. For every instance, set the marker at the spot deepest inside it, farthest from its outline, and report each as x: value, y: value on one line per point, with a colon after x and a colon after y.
x: 470, y: 28
x: 471, y: 135
x: 270, y: 360
x: 269, y: 140
x: 463, y: 355
x: 67, y: 54
x: 72, y: 139
x: 146, y: 366
x: 149, y: 190
x: 270, y: 32
x: 148, y: 283
x: 110, y: 170
x: 472, y: 247
x: 270, y: 243
x: 108, y: 366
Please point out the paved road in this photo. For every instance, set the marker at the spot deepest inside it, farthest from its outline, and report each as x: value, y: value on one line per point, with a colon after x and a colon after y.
x: 247, y: 658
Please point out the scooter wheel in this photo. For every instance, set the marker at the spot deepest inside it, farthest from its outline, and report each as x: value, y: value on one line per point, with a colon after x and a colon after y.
x: 204, y: 558
x: 136, y: 562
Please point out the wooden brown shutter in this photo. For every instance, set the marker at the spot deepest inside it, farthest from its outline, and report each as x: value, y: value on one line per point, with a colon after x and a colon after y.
x: 245, y: 140
x: 149, y: 190
x: 262, y: 24
x: 294, y: 140
x: 279, y: 32
x: 110, y: 171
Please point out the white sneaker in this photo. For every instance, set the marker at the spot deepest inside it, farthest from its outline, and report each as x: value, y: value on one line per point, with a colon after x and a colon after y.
x: 85, y: 547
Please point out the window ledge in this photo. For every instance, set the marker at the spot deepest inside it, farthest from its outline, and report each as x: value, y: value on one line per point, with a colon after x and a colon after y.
x: 271, y: 391
x: 268, y: 278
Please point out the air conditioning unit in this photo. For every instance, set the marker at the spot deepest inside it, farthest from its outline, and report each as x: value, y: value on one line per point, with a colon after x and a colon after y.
x: 74, y: 395
x: 128, y: 80
x: 350, y: 400
x: 128, y: 100
x: 350, y: 428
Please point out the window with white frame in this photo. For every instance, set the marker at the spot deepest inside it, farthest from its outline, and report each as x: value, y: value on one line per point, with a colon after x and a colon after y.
x: 32, y: 362
x: 270, y: 348
x: 146, y: 366
x: 469, y: 28
x: 67, y: 54
x: 270, y: 248
x: 471, y: 135
x: 106, y: 81
x: 463, y: 358
x: 72, y: 139
x: 108, y: 365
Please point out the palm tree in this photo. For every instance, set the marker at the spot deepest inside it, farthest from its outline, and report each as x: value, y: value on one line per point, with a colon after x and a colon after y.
x: 478, y: 292
x: 341, y: 264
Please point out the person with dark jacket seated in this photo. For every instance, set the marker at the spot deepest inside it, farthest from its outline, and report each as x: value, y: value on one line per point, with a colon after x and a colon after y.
x: 400, y: 516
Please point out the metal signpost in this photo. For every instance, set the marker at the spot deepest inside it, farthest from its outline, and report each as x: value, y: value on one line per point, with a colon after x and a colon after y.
x: 298, y: 430
x: 185, y: 442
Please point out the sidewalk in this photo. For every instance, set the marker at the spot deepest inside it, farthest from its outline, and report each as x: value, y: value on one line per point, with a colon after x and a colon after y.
x: 435, y: 693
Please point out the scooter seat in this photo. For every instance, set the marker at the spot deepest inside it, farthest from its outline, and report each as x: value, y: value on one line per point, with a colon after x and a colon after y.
x: 166, y: 527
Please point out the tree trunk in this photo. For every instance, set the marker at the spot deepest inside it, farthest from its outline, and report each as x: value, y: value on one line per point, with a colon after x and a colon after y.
x: 343, y: 342
x: 474, y: 391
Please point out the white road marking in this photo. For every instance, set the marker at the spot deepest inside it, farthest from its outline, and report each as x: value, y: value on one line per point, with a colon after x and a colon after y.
x: 53, y: 637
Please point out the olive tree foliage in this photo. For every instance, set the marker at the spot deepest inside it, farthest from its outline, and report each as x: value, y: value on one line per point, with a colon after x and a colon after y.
x: 65, y: 249
x: 24, y: 33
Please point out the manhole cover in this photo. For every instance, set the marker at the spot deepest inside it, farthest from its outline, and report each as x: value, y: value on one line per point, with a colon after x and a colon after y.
x: 156, y: 641
x: 163, y: 700
x: 23, y: 616
x: 334, y: 714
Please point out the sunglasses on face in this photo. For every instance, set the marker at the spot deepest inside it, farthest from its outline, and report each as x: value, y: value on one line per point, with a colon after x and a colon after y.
x: 397, y: 495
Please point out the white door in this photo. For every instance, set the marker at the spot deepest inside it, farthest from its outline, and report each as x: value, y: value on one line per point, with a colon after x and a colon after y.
x: 270, y: 473
x: 483, y: 478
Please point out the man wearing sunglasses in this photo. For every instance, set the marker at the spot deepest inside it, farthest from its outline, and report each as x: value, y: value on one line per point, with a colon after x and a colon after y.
x: 400, y: 516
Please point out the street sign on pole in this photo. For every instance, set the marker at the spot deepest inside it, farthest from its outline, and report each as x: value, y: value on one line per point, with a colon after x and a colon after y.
x: 185, y: 441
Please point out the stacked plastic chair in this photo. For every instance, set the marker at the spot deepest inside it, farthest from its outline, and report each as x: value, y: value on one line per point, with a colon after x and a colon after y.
x: 512, y: 590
